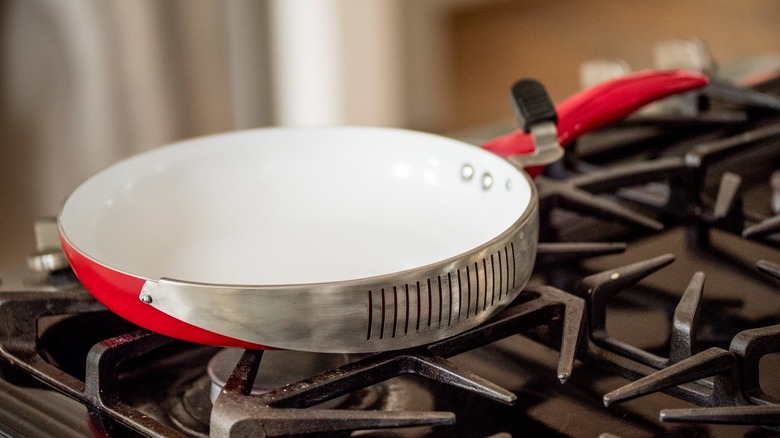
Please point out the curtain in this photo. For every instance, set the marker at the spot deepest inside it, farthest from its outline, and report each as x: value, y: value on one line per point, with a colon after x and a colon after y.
x: 85, y: 83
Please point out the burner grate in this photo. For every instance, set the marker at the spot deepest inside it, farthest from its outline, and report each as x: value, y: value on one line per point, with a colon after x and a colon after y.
x: 732, y: 394
x: 704, y: 188
x: 725, y: 382
x: 281, y: 412
x: 21, y: 313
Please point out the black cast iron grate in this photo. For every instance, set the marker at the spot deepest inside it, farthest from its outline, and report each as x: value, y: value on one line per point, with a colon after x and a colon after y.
x: 645, y: 196
x: 280, y: 413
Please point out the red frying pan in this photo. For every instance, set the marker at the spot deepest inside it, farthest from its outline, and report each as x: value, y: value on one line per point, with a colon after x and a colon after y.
x: 324, y: 239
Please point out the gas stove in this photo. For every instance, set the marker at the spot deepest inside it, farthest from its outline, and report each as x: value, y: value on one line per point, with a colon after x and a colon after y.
x: 653, y: 310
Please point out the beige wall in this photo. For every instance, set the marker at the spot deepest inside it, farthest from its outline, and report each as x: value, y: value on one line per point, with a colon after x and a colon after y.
x: 493, y: 43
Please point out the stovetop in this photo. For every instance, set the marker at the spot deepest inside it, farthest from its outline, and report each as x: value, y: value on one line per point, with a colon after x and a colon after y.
x: 653, y: 310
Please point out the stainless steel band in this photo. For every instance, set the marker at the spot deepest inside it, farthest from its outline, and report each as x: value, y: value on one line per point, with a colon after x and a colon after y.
x: 393, y: 311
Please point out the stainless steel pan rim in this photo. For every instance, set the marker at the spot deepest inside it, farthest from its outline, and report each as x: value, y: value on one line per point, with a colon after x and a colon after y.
x: 387, y: 312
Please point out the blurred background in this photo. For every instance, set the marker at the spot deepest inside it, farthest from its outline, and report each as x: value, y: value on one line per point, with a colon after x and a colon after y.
x: 85, y: 83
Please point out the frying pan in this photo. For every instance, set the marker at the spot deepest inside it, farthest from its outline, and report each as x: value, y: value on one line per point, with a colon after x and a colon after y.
x: 338, y: 239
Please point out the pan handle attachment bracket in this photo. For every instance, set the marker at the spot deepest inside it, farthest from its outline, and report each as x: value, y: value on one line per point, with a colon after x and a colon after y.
x: 535, y: 113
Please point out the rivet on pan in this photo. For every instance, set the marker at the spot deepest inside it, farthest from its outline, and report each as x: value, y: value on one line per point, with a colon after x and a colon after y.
x: 467, y: 172
x: 146, y: 299
x: 487, y: 180
x: 509, y: 184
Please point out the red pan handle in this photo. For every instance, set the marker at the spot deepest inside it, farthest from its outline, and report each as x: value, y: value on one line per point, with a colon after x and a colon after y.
x: 601, y: 105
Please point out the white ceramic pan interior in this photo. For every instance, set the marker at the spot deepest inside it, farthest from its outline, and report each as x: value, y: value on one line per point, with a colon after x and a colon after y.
x: 281, y: 206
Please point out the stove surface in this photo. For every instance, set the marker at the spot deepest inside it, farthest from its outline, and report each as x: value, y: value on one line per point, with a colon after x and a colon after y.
x: 655, y: 291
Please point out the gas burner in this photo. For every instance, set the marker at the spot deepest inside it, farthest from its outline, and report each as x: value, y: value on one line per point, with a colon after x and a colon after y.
x: 191, y: 410
x: 280, y: 367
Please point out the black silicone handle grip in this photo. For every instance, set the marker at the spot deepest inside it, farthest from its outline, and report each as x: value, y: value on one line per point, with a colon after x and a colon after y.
x: 531, y: 104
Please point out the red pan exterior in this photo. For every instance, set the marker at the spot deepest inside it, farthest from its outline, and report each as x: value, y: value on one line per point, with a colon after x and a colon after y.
x: 119, y: 292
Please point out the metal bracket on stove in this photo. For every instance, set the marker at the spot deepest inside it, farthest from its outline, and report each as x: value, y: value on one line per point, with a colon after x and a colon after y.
x: 49, y: 256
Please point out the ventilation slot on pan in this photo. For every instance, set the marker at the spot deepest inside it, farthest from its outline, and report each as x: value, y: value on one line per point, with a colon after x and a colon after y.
x: 485, y: 276
x: 440, y: 300
x: 449, y: 308
x: 474, y: 285
x: 395, y: 309
x: 468, y: 289
x: 370, y: 315
x: 500, y: 276
x: 514, y: 266
x: 430, y: 303
x: 419, y: 307
x: 460, y: 296
x: 406, y: 321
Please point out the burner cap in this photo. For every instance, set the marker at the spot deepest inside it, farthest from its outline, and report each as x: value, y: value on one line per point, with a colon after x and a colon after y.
x: 278, y: 368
